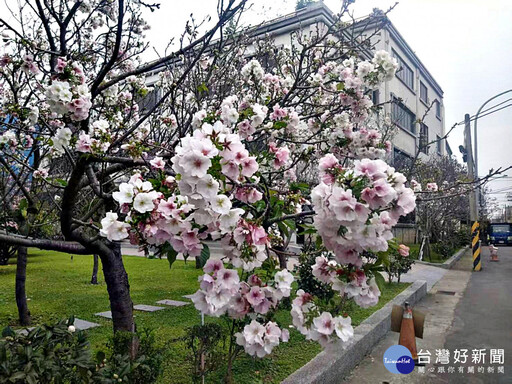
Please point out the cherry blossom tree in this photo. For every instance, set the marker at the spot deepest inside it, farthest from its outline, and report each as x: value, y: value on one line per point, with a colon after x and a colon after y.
x: 70, y: 82
x: 238, y: 136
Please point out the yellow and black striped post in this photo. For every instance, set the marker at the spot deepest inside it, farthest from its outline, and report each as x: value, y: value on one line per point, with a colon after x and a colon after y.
x: 475, y: 246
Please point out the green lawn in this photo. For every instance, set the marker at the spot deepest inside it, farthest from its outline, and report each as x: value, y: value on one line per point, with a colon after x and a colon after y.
x: 59, y: 287
x: 436, y: 257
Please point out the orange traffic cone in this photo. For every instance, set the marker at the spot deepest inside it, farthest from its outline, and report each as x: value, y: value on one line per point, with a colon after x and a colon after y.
x: 407, y: 336
x: 494, y: 253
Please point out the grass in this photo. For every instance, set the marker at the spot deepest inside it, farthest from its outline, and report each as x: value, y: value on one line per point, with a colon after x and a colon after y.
x: 58, y: 286
x: 435, y: 257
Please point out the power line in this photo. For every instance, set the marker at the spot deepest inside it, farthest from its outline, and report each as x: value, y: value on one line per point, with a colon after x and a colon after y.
x: 494, y: 106
x: 486, y: 114
x: 490, y: 113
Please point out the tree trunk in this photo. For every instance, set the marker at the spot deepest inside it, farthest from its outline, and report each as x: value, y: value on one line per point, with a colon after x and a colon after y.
x: 427, y: 249
x: 21, y: 277
x: 281, y: 256
x: 94, y: 277
x: 118, y: 289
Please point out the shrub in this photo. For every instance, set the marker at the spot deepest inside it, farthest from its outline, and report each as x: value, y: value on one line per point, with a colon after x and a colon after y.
x: 463, y: 236
x: 56, y: 354
x: 47, y: 354
x: 399, y: 261
x: 444, y: 249
x: 145, y: 368
x: 204, y: 340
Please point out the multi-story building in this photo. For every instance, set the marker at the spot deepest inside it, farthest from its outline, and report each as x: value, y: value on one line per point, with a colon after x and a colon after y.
x: 406, y: 98
x: 416, y: 98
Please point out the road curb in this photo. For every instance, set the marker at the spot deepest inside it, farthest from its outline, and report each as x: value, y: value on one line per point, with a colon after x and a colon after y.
x: 334, y: 363
x: 448, y: 263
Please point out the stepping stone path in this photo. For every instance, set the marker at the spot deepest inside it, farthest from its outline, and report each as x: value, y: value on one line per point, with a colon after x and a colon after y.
x: 174, y: 303
x: 188, y: 296
x: 147, y: 308
x: 84, y: 324
x: 106, y: 314
x: 138, y: 307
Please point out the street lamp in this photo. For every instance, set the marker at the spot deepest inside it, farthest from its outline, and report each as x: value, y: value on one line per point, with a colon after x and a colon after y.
x: 476, y: 136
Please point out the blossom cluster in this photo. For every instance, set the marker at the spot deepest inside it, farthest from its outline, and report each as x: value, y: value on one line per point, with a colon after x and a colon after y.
x: 430, y: 187
x: 8, y: 138
x: 97, y: 140
x: 68, y: 93
x: 356, y: 208
x: 349, y: 79
x: 62, y: 139
x: 259, y: 340
x: 362, y: 143
x: 320, y: 327
x: 221, y: 292
x: 246, y: 247
x: 195, y: 203
x: 154, y: 217
x: 350, y: 282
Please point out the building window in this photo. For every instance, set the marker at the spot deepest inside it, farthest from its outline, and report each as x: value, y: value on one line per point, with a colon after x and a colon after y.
x: 148, y: 101
x: 438, y: 109
x: 404, y: 72
x: 423, y: 93
x: 439, y: 146
x: 423, y: 145
x: 402, y: 116
x: 376, y: 97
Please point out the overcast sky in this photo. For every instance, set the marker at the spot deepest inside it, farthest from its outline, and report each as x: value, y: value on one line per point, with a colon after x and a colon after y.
x: 465, y: 44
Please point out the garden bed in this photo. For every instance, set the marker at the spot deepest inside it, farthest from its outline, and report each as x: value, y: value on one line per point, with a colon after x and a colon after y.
x: 435, y: 256
x: 58, y: 287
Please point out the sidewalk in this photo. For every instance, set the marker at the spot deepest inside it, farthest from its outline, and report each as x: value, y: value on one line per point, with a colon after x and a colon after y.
x: 439, y: 308
x: 429, y: 273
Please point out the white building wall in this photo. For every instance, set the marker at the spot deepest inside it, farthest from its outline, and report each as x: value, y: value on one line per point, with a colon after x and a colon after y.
x: 405, y: 140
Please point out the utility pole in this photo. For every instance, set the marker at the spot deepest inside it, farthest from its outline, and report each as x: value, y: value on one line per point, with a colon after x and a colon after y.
x: 473, y: 209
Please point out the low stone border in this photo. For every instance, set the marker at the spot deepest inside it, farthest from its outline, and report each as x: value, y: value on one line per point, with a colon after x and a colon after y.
x: 448, y: 263
x: 334, y: 363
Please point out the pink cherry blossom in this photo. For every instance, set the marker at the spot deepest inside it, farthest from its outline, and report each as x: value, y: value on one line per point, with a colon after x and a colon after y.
x: 157, y: 163
x: 403, y: 250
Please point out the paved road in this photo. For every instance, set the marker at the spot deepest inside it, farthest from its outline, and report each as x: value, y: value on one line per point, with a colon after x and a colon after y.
x: 465, y: 310
x: 483, y: 317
